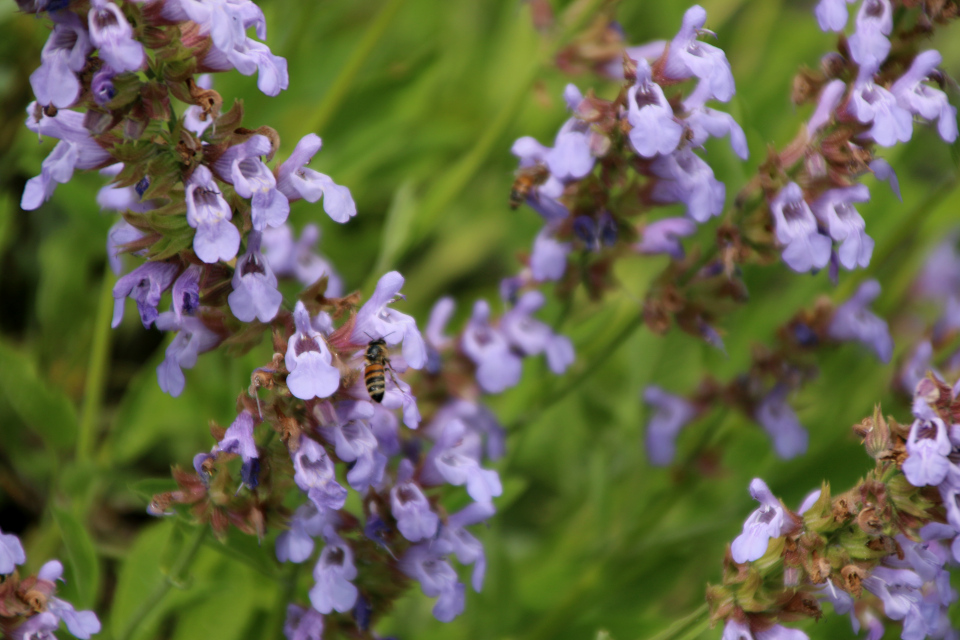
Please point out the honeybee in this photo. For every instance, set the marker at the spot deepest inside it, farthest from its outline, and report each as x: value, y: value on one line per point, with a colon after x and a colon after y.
x: 527, y: 178
x: 377, y: 359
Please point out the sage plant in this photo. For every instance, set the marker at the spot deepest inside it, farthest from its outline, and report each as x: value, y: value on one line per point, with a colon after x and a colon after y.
x: 363, y: 444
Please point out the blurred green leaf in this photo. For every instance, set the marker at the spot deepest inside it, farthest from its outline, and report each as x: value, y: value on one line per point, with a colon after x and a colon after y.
x: 39, y: 404
x: 253, y: 553
x: 138, y: 576
x: 84, y: 568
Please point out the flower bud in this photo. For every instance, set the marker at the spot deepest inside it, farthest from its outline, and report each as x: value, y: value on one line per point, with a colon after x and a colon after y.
x: 853, y: 579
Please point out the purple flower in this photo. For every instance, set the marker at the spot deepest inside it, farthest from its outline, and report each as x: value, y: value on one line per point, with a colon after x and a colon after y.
x: 852, y: 321
x: 927, y: 449
x: 315, y: 475
x: 455, y: 539
x: 385, y: 427
x: 871, y: 103
x: 242, y: 166
x: 940, y: 277
x: 296, y: 544
x: 296, y: 181
x: 76, y: 150
x: 308, y: 360
x: 704, y: 122
x: 11, y: 553
x: 899, y: 589
x: 654, y: 130
x: 596, y: 233
x: 687, y: 56
x: 297, y: 259
x: 81, y: 624
x: 225, y: 22
x: 663, y: 236
x: 355, y: 443
x: 477, y: 418
x: 121, y: 198
x: 883, y: 171
x: 410, y: 507
x: 796, y: 228
x: 571, y: 157
x: 193, y: 118
x: 101, y: 85
x: 207, y: 212
x: 868, y: 44
x: 193, y: 338
x: 375, y: 320
x: 303, y: 623
x: 255, y: 293
x: 685, y: 177
x: 120, y: 234
x: 739, y: 631
x: 835, y: 210
x: 437, y: 323
x: 145, y: 284
x: 238, y: 439
x: 113, y: 36
x: 38, y: 627
x: 398, y: 396
x: 923, y: 100
x: 769, y: 521
x: 437, y: 579
x: 531, y: 337
x: 781, y: 423
x: 543, y: 198
x: 830, y: 97
x: 832, y: 14
x: 917, y: 366
x: 671, y: 414
x: 498, y: 367
x: 249, y: 57
x: 455, y: 458
x: 186, y: 292
x: 548, y: 260
x: 333, y: 573
x: 64, y: 55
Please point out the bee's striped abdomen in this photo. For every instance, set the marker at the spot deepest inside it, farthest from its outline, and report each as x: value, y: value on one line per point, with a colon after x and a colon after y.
x: 373, y: 375
x: 374, y: 379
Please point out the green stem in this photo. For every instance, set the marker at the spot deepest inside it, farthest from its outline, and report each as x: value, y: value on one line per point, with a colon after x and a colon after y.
x: 274, y: 626
x: 596, y: 362
x: 96, y: 371
x: 174, y: 578
x: 696, y: 621
x: 344, y: 81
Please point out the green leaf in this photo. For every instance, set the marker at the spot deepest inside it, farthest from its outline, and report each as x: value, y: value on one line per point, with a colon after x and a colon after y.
x: 396, y: 228
x: 39, y: 404
x: 227, y: 612
x: 139, y: 575
x: 246, y: 549
x: 81, y: 558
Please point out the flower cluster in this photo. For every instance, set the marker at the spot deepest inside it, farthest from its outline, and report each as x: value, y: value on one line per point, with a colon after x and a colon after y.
x: 325, y: 416
x: 762, y: 392
x: 29, y: 607
x: 881, y: 549
x: 642, y: 145
x: 867, y: 97
x: 201, y: 204
x: 800, y: 206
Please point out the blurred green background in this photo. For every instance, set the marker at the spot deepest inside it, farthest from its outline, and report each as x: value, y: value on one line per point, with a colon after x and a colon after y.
x: 418, y: 103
